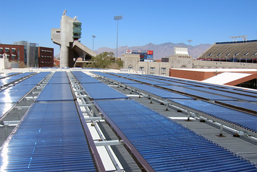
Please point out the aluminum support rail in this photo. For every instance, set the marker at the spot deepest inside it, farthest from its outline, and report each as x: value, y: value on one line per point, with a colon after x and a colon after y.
x: 93, y: 119
x: 94, y: 152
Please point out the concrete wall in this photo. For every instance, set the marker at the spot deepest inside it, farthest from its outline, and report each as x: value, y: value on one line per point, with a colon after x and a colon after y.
x: 180, y: 61
x: 132, y: 61
x: 56, y: 35
x: 4, y: 63
x: 154, y: 68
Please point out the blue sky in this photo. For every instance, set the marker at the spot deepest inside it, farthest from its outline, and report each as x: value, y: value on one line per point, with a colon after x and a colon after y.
x: 151, y: 21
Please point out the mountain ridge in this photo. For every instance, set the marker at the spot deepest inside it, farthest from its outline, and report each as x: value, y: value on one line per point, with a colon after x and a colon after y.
x: 160, y: 50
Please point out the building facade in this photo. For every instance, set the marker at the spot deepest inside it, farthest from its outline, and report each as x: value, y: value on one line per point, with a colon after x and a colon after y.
x: 180, y: 59
x: 30, y: 53
x: 13, y: 53
x: 245, y: 57
x: 45, y: 57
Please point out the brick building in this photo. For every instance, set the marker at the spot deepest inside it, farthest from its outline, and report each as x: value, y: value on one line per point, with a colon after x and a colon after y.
x: 45, y: 57
x: 13, y: 52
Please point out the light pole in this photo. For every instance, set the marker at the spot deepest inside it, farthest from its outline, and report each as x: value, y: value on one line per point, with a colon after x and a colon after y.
x: 117, y: 18
x: 93, y: 36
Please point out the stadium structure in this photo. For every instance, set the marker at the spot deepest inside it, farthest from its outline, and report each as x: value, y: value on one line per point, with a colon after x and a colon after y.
x: 239, y: 51
x: 95, y: 120
x: 221, y: 55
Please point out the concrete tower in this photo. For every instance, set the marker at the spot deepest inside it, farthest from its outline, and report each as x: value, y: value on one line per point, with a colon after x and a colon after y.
x: 67, y: 37
x: 69, y: 32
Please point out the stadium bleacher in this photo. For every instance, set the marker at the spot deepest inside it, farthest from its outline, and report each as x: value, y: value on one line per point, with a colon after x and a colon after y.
x: 240, y: 51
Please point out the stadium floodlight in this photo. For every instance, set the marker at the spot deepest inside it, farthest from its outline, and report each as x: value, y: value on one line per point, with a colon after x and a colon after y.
x: 93, y: 36
x: 117, y: 18
x: 190, y: 40
x: 235, y: 37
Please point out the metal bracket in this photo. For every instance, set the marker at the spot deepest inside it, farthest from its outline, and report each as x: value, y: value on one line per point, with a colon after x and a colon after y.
x: 108, y: 143
x: 93, y: 118
x: 87, y: 105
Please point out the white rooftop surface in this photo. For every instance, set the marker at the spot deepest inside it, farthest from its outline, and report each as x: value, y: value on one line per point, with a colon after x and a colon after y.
x: 218, y: 70
x: 225, y: 77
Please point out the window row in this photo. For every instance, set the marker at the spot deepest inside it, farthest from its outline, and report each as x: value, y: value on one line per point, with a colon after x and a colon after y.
x: 46, y: 62
x: 7, y: 50
x: 8, y: 55
x: 46, y: 56
x: 46, y: 51
x: 153, y: 68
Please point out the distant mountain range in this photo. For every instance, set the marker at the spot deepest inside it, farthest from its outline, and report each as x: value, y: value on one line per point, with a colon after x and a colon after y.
x: 160, y: 50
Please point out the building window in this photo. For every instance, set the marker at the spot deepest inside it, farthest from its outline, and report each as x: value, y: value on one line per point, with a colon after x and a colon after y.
x: 151, y: 73
x: 141, y: 68
x: 1, y: 55
x: 7, y: 50
x: 163, y: 69
x: 1, y: 49
x: 163, y: 74
x: 13, y: 56
x: 152, y: 68
x: 13, y: 50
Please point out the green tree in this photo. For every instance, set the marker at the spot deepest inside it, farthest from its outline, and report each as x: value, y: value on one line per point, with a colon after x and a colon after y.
x: 105, y: 60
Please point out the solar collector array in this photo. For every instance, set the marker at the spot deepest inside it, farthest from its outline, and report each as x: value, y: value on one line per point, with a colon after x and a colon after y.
x: 232, y: 95
x: 166, y: 145
x: 56, y: 92
x: 118, y: 79
x: 14, y: 78
x: 4, y: 107
x: 50, y: 138
x: 185, y: 90
x: 59, y: 78
x: 84, y: 78
x: 57, y: 89
x: 7, y: 75
x: 206, y: 85
x: 242, y: 119
x: 245, y: 105
x: 15, y: 93
x: 141, y: 80
x: 159, y: 92
x: 99, y: 91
